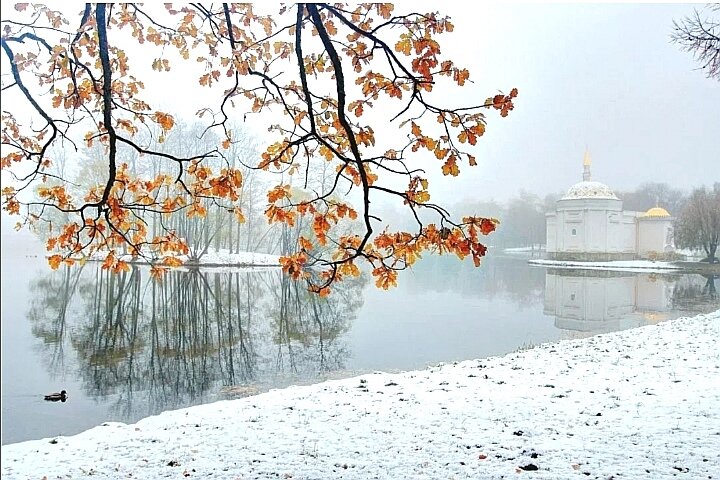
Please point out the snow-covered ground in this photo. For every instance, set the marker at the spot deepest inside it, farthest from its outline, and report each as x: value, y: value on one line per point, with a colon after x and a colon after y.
x: 636, y: 404
x: 524, y: 250
x: 621, y: 265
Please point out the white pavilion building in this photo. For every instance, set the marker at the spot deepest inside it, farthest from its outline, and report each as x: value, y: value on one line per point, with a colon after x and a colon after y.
x: 589, y: 224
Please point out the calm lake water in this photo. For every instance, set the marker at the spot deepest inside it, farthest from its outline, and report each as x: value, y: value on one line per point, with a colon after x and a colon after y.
x: 125, y: 347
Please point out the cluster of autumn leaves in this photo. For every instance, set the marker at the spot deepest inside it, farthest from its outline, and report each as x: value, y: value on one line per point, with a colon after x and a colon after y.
x: 110, y: 217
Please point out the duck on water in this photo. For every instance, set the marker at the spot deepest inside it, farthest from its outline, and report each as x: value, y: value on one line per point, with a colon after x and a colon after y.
x: 57, y: 397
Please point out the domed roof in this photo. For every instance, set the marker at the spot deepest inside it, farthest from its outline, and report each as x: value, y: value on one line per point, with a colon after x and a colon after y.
x: 656, y: 212
x: 588, y: 189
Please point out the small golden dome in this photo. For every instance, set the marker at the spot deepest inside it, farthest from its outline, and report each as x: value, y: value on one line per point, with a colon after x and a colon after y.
x: 656, y: 212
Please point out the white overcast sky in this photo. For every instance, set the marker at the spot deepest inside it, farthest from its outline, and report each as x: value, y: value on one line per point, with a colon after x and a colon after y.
x: 601, y: 76
x: 605, y: 76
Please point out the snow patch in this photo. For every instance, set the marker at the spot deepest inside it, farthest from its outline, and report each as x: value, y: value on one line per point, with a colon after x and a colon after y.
x: 620, y: 265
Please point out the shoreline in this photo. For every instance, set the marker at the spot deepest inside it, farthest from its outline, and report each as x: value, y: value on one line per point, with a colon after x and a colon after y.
x: 635, y: 404
x: 632, y: 266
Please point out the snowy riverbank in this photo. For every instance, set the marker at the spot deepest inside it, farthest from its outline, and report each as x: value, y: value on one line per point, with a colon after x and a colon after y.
x: 619, y: 265
x: 637, y: 404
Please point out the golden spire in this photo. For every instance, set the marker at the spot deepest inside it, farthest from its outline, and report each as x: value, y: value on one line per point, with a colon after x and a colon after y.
x: 586, y: 166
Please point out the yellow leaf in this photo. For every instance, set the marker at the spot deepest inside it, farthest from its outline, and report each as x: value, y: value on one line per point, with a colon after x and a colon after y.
x: 386, y: 278
x: 450, y: 167
x: 421, y: 197
x: 172, y: 261
x: 305, y: 244
x: 384, y: 9
x: 404, y: 45
x: 330, y: 27
x: 326, y: 152
x: 165, y: 120
x: 55, y: 261
x: 239, y: 215
x: 157, y: 272
x: 298, y: 118
x: 415, y: 129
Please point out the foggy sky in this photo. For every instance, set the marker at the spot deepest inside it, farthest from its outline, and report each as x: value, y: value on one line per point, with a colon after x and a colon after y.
x: 605, y: 77
x: 601, y: 76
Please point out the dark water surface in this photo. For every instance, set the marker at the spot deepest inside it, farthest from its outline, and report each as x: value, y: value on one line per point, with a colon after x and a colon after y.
x: 125, y: 347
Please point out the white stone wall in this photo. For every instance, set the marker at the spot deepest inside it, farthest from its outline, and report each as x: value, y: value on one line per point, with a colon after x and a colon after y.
x: 551, y: 224
x: 589, y: 226
x: 654, y: 236
x: 596, y: 239
x: 572, y: 231
x: 627, y: 233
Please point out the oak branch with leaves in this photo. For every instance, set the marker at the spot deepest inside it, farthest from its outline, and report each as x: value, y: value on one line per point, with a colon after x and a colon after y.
x: 316, y: 73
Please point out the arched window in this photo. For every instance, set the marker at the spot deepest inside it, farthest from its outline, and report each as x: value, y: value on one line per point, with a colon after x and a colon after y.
x: 574, y: 232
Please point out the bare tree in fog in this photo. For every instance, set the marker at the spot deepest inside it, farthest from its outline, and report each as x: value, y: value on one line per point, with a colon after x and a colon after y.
x: 698, y: 226
x: 651, y: 194
x: 699, y: 34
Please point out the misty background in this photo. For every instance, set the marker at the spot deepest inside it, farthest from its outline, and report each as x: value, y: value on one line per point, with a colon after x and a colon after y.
x: 602, y: 77
x: 606, y: 78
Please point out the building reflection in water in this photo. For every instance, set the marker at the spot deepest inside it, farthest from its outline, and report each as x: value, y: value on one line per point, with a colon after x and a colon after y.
x: 586, y: 302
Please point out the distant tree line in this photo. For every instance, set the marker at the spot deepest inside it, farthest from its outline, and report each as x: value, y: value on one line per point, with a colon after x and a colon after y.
x: 222, y: 227
x: 522, y: 217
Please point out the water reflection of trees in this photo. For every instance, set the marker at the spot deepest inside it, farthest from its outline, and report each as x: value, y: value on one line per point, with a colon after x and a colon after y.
x: 307, y: 329
x: 177, y: 342
x: 696, y: 294
x: 49, y: 311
